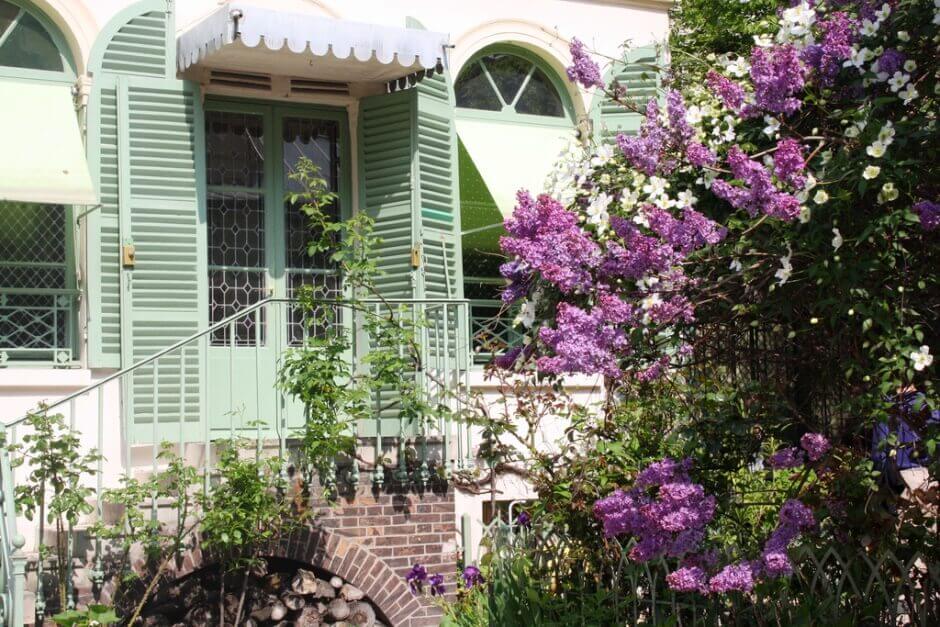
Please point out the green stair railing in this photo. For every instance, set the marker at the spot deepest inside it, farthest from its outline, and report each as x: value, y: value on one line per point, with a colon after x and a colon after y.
x: 162, y: 384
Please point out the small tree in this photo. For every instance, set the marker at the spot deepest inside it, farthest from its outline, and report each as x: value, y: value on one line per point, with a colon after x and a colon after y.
x: 52, y: 455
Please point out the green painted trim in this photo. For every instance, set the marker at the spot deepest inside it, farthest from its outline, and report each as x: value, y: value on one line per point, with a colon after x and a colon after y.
x: 120, y: 19
x: 511, y: 116
x: 67, y: 74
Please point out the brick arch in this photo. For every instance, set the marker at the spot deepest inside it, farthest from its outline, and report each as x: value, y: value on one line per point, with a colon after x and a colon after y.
x: 339, y: 555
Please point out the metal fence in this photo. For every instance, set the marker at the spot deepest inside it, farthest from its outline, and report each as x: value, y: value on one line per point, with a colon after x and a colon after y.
x: 163, y: 399
x: 541, y: 577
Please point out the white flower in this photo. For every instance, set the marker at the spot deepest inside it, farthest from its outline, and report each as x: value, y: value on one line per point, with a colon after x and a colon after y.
x: 810, y: 182
x: 908, y: 93
x: 735, y: 265
x: 898, y: 81
x: 852, y: 132
x: 526, y: 316
x: 859, y: 58
x: 597, y: 211
x: 786, y: 270
x: 869, y: 28
x: 903, y: 35
x: 796, y: 23
x: 876, y: 150
x: 651, y: 301
x: 685, y: 198
x: 656, y: 187
x: 773, y: 125
x: 628, y: 199
x: 886, y: 134
x: 603, y: 155
x: 604, y: 179
x: 883, y: 13
x: 693, y: 115
x: 888, y: 193
x: 871, y: 172
x: 921, y: 358
x: 910, y: 65
x: 836, y: 239
x: 821, y: 197
x: 738, y: 67
x: 806, y: 214
x: 763, y: 41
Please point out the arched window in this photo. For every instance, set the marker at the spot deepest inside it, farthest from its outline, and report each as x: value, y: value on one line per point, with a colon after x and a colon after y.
x: 512, y: 81
x: 29, y: 43
x: 39, y: 296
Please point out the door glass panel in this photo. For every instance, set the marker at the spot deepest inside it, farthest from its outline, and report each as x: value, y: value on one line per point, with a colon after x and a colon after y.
x: 236, y: 223
x: 318, y: 141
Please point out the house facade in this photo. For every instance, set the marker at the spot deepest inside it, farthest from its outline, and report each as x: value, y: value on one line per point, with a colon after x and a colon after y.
x: 148, y: 258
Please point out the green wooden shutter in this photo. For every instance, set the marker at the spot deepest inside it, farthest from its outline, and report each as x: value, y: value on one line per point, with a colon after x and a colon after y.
x: 145, y: 124
x: 641, y: 82
x: 408, y: 183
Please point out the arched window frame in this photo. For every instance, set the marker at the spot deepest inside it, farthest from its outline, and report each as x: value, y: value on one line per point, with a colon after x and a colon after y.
x: 66, y: 75
x: 508, y: 114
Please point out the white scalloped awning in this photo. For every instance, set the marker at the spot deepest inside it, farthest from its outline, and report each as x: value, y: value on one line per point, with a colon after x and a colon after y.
x: 309, y: 46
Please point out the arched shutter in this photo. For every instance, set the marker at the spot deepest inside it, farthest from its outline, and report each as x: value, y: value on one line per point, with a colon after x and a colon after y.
x: 144, y: 125
x: 638, y: 75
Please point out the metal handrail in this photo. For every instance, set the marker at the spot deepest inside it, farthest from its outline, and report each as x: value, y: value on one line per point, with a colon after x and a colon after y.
x: 224, y: 322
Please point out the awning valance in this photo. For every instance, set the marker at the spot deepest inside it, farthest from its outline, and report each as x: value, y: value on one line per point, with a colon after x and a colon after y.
x: 43, y: 157
x: 231, y: 38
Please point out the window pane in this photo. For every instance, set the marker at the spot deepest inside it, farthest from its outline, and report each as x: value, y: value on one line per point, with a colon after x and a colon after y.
x: 36, y: 322
x: 318, y: 141
x: 234, y: 149
x: 236, y: 229
x: 473, y: 90
x: 508, y: 72
x: 540, y: 97
x: 30, y: 46
x: 7, y: 13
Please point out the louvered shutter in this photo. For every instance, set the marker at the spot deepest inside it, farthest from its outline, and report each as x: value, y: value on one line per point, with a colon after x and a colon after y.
x: 144, y: 136
x: 641, y: 82
x: 408, y: 183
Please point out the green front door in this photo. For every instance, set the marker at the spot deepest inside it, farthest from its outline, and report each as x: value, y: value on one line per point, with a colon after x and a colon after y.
x: 257, y: 249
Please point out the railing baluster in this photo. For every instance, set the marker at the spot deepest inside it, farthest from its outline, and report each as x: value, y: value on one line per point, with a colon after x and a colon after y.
x: 154, y: 446
x: 466, y: 390
x: 279, y: 319
x: 445, y: 420
x: 378, y: 469
x: 70, y: 540
x: 257, y: 382
x: 182, y: 421
x: 97, y: 575
x: 231, y: 379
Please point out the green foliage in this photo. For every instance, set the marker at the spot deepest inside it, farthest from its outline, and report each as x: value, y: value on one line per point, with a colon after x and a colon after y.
x: 93, y: 616
x: 53, y: 490
x: 246, y: 508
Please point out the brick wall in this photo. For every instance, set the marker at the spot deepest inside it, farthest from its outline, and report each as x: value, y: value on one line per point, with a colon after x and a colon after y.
x: 401, y: 528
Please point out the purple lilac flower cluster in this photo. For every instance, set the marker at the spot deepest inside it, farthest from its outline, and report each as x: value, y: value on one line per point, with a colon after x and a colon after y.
x: 929, y: 213
x: 812, y: 446
x: 658, y: 147
x: 778, y: 76
x: 582, y: 342
x: 759, y: 194
x: 794, y: 519
x: 730, y: 93
x: 583, y: 69
x: 826, y: 58
x: 664, y: 511
x: 545, y: 237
